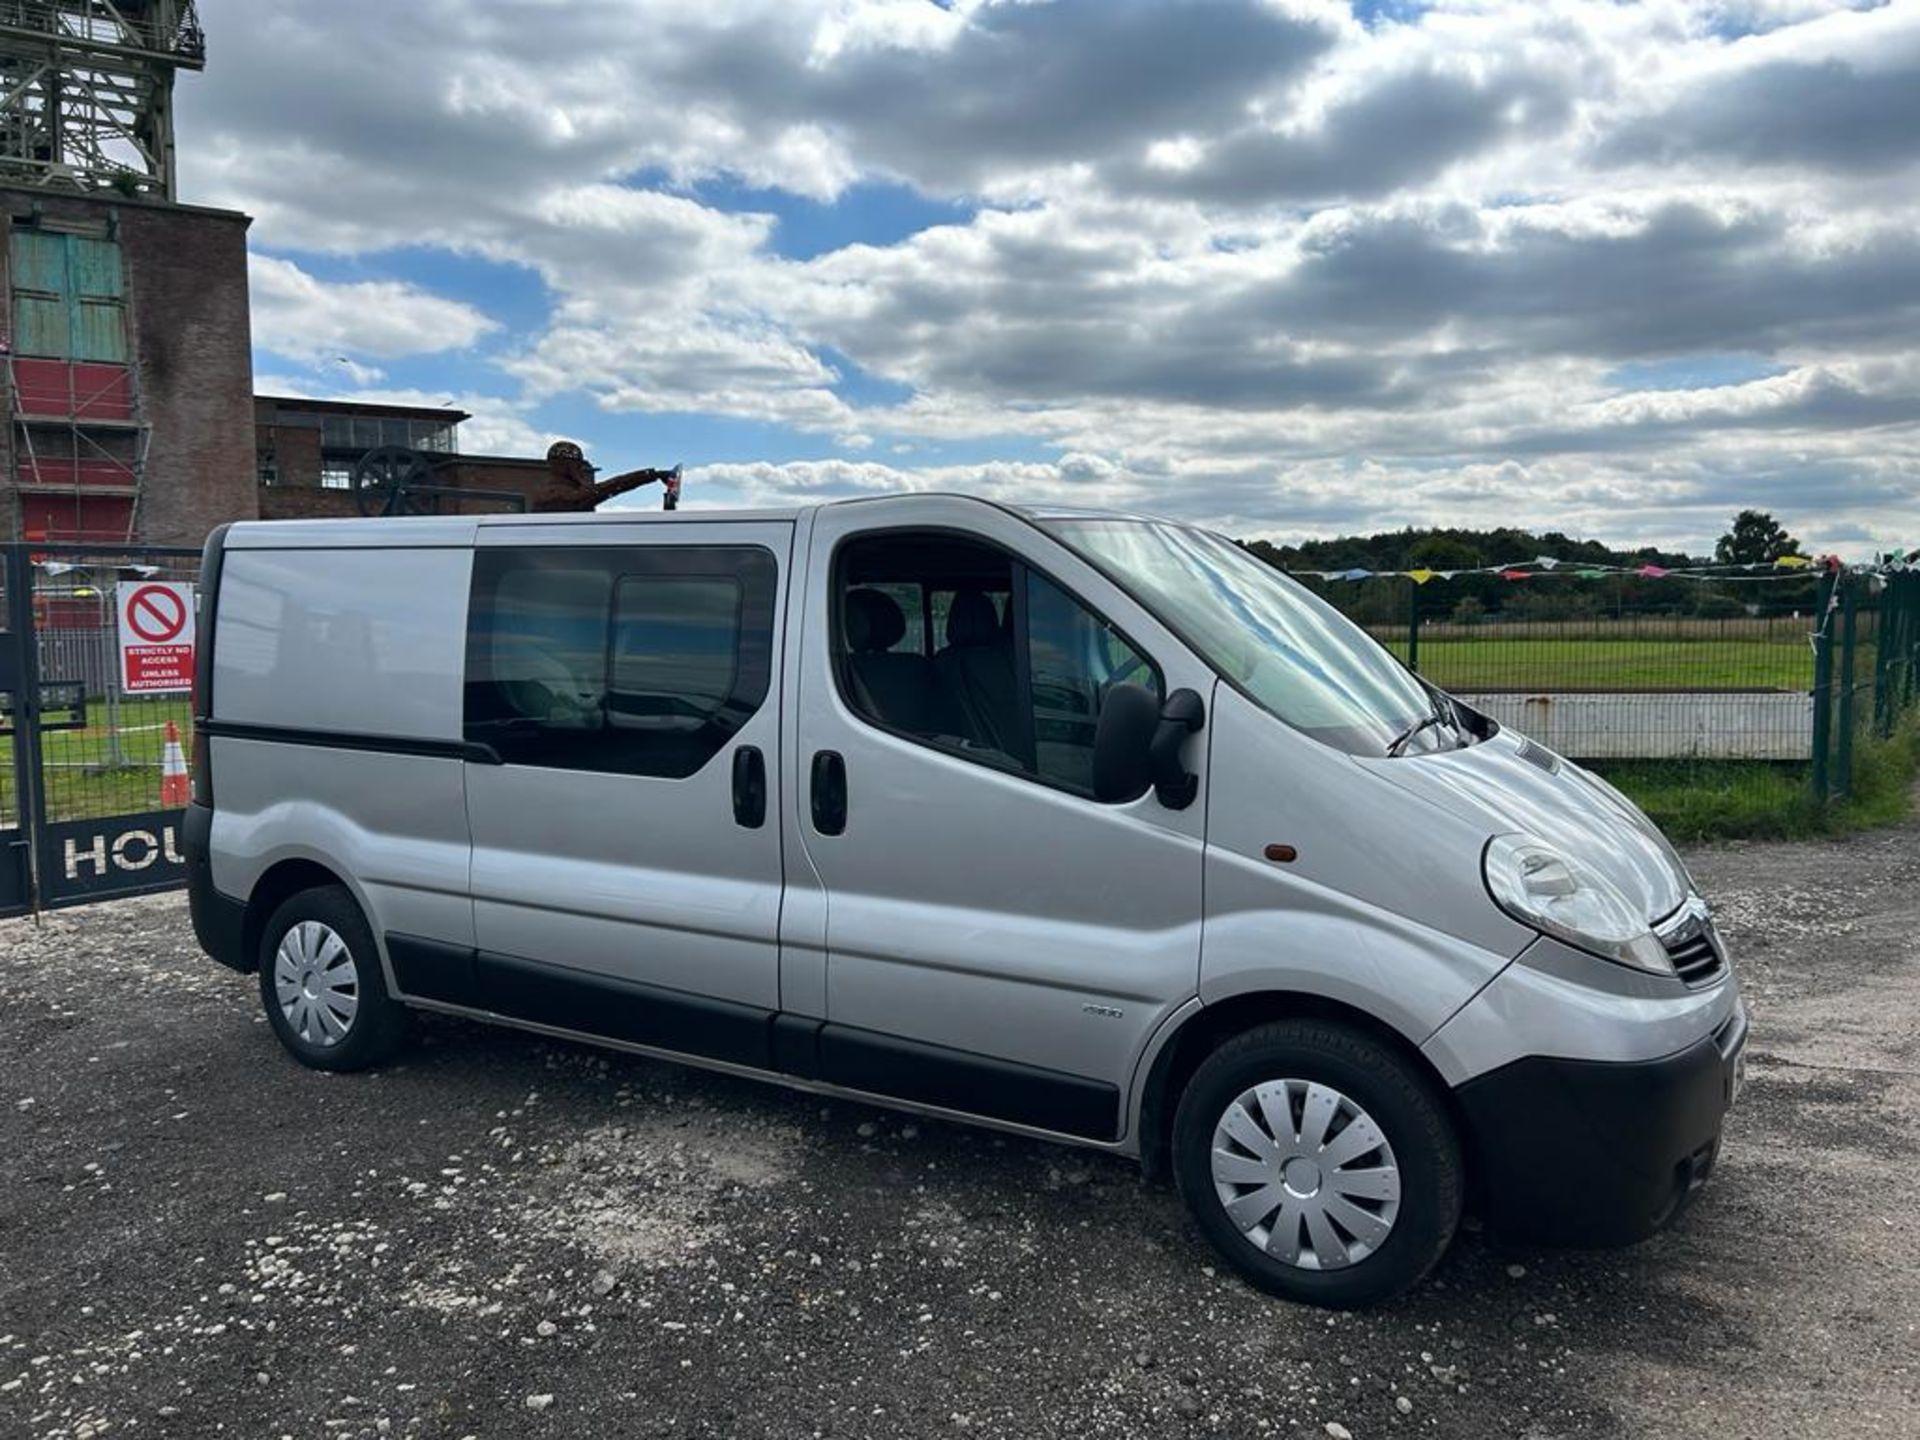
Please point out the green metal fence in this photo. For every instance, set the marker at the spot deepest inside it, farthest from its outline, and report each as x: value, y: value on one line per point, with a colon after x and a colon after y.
x: 1777, y: 685
x: 1866, y: 651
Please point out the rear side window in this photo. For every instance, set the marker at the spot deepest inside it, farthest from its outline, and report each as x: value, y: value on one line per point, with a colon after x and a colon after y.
x: 546, y: 650
x: 628, y: 661
x: 676, y: 652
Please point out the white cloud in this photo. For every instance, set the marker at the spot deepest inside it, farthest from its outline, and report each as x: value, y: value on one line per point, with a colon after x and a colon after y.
x: 1247, y: 261
x: 800, y: 482
x: 302, y: 318
x: 360, y: 375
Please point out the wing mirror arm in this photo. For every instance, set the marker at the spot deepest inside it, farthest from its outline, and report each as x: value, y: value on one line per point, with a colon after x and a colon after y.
x: 1184, y: 714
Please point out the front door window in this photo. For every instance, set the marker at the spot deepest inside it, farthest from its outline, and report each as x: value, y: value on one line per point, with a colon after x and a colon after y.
x: 963, y: 647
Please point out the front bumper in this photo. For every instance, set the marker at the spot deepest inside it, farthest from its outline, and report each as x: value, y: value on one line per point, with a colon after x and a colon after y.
x: 1597, y: 1153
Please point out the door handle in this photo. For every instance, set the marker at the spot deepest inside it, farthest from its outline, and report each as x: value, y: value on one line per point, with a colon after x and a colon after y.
x: 749, y: 787
x: 829, y: 792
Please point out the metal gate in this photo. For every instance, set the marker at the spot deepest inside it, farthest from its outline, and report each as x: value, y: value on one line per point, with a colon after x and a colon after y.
x: 84, y: 805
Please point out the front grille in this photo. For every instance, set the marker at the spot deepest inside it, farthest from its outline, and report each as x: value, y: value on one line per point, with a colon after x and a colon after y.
x: 1695, y: 952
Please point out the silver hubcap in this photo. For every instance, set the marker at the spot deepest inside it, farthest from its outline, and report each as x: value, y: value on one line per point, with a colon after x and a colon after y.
x: 316, y: 983
x: 1305, y: 1174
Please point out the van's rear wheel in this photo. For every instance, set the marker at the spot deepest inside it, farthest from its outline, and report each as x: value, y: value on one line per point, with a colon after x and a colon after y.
x: 321, y: 984
x: 1318, y: 1162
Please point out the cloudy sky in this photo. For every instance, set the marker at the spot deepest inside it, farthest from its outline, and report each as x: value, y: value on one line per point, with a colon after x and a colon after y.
x: 1290, y: 267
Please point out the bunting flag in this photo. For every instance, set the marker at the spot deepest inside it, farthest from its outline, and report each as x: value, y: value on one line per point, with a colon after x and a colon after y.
x: 1787, y: 567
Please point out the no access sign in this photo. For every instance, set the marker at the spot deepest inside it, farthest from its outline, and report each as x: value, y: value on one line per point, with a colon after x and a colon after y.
x: 156, y: 636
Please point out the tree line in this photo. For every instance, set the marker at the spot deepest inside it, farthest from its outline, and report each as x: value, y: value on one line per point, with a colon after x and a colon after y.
x: 1753, y: 538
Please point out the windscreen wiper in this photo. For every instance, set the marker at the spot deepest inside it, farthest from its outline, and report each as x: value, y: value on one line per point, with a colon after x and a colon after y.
x: 1419, y: 727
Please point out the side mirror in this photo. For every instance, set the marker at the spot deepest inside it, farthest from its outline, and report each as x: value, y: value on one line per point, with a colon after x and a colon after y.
x: 1137, y: 744
x: 1122, y: 741
x: 1184, y: 714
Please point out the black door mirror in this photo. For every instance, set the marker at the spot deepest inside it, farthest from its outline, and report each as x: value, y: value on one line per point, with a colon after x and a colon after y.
x: 1137, y: 744
x: 1122, y: 744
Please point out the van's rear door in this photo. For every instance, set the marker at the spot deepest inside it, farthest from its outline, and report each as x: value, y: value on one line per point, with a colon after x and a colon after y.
x: 626, y: 846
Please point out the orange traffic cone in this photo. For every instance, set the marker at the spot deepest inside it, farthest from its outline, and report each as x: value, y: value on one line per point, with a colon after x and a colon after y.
x: 175, y: 787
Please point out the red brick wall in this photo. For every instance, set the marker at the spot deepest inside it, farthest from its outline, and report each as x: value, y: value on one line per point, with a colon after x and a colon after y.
x: 304, y: 502
x: 193, y: 346
x: 465, y: 472
x: 506, y: 476
x: 295, y: 450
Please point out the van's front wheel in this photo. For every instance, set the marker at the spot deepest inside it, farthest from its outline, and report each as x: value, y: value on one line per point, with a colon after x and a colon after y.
x: 321, y: 984
x: 1319, y: 1163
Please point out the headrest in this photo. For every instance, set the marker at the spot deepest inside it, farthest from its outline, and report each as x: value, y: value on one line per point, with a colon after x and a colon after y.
x: 874, y: 621
x: 972, y: 620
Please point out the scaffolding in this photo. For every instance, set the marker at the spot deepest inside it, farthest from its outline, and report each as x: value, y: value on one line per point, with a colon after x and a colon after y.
x: 76, y: 422
x: 86, y: 92
x: 75, y: 446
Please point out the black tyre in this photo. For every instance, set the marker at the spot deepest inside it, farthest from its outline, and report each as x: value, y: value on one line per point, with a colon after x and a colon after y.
x: 1319, y: 1162
x: 321, y: 983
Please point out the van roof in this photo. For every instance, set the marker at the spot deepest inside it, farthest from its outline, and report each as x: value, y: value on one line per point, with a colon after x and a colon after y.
x: 433, y: 531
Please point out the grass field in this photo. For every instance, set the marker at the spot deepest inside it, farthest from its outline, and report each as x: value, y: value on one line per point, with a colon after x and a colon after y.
x: 80, y: 782
x: 1736, y: 800
x: 1543, y: 663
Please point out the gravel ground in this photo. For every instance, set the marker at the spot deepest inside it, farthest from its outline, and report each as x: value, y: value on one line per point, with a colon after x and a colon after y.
x: 507, y: 1236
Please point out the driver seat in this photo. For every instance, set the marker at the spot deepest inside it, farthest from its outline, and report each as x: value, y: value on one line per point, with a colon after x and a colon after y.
x: 977, y: 665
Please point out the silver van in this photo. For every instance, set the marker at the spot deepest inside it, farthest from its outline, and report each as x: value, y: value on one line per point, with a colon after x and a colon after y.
x: 1086, y: 826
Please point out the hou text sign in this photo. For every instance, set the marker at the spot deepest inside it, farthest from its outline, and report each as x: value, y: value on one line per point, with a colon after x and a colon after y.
x: 156, y: 636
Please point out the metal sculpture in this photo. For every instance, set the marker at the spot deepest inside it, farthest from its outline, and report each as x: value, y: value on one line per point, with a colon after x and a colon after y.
x: 393, y: 480
x: 571, y: 486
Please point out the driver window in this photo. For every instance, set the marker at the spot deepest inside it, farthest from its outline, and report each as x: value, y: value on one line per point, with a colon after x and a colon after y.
x: 1076, y: 657
x: 958, y: 645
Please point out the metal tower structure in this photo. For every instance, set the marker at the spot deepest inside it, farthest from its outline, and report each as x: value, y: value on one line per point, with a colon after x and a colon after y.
x: 86, y: 92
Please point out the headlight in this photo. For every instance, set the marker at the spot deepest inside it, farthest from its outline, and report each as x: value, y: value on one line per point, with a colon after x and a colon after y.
x: 1539, y: 886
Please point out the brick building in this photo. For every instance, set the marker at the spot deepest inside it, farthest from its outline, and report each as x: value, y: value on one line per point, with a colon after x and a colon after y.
x: 306, y: 451
x: 129, y: 374
x: 124, y: 334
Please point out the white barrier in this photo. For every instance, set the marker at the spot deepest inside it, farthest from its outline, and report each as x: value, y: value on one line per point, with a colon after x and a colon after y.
x: 1693, y: 725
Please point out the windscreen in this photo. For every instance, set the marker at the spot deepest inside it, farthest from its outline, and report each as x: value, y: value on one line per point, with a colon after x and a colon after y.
x: 1269, y: 635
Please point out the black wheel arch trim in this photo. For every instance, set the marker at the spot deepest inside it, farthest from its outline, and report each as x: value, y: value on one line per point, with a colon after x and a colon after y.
x: 1193, y: 1031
